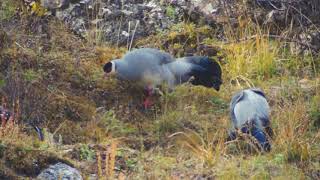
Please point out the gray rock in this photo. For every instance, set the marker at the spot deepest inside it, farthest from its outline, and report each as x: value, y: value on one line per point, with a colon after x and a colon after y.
x: 300, y: 18
x: 60, y: 171
x: 207, y: 7
x: 137, y: 18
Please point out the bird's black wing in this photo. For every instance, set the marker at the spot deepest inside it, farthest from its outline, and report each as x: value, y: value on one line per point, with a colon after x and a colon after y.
x: 258, y: 91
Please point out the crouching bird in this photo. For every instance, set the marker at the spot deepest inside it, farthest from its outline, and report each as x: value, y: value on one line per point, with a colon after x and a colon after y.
x: 151, y: 68
x: 249, y: 111
x: 7, y: 116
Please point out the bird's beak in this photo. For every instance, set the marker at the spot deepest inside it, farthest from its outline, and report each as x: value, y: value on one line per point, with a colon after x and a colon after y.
x: 217, y: 88
x: 105, y: 76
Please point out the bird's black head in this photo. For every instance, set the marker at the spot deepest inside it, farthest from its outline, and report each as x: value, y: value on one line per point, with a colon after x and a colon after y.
x: 216, y: 83
x: 208, y: 81
x: 107, y: 68
x: 211, y: 77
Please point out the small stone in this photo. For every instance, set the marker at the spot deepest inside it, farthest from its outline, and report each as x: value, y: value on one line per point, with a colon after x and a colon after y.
x: 125, y: 33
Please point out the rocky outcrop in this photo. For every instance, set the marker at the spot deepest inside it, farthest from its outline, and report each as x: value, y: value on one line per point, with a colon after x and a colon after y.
x: 300, y: 19
x: 120, y: 22
x: 60, y: 171
x: 115, y: 21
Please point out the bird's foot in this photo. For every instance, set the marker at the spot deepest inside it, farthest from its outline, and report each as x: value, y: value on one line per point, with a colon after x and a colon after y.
x: 147, y: 103
x: 148, y: 90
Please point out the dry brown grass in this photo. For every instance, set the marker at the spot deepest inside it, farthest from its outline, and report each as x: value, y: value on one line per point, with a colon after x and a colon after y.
x: 105, y: 162
x: 196, y: 117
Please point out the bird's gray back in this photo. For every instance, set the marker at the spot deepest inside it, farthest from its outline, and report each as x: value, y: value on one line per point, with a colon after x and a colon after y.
x: 145, y: 66
x: 148, y: 56
x: 180, y: 71
x: 247, y: 106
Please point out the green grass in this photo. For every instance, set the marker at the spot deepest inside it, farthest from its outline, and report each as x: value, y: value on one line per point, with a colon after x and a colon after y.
x: 86, y: 153
x: 7, y: 9
x: 184, y: 137
x: 254, y: 59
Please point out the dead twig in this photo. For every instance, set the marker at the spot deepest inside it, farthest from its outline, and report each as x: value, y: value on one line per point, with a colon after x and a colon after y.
x: 134, y: 32
x: 274, y: 37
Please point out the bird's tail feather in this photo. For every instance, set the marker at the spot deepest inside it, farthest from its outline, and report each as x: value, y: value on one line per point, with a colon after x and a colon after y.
x: 38, y: 131
x: 261, y: 138
x: 206, y: 71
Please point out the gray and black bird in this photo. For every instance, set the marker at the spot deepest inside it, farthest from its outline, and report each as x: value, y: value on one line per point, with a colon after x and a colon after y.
x: 249, y: 111
x: 151, y: 68
x: 6, y: 116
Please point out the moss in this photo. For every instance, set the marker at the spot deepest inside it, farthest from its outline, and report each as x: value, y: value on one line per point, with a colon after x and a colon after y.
x: 114, y: 126
x: 7, y: 9
x: 62, y: 88
x: 86, y: 153
x: 2, y: 149
x: 315, y: 111
x: 32, y: 76
x: 29, y: 162
x: 71, y: 132
x: 171, y: 12
x: 4, y: 39
x: 184, y: 39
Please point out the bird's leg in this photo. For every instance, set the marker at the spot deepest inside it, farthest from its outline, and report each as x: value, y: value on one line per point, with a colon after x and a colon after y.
x: 3, y: 120
x: 147, y: 103
x: 148, y: 91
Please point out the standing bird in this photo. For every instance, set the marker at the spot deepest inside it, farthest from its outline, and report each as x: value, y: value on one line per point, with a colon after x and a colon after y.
x: 249, y: 111
x: 151, y: 68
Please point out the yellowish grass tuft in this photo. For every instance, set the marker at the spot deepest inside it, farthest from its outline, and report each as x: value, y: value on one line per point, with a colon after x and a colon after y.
x: 99, y: 164
x: 291, y: 132
x: 106, y: 171
x: 110, y: 160
x: 209, y: 150
x: 106, y: 54
x: 252, y: 59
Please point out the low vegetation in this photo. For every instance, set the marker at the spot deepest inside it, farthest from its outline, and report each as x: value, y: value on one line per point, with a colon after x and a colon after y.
x: 96, y: 124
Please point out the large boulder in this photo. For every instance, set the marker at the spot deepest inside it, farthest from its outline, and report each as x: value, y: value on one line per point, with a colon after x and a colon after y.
x: 60, y: 171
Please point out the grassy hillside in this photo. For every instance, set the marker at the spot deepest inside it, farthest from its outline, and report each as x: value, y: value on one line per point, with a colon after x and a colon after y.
x: 52, y: 78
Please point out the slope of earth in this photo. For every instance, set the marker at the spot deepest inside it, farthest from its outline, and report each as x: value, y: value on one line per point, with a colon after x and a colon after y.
x: 52, y: 78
